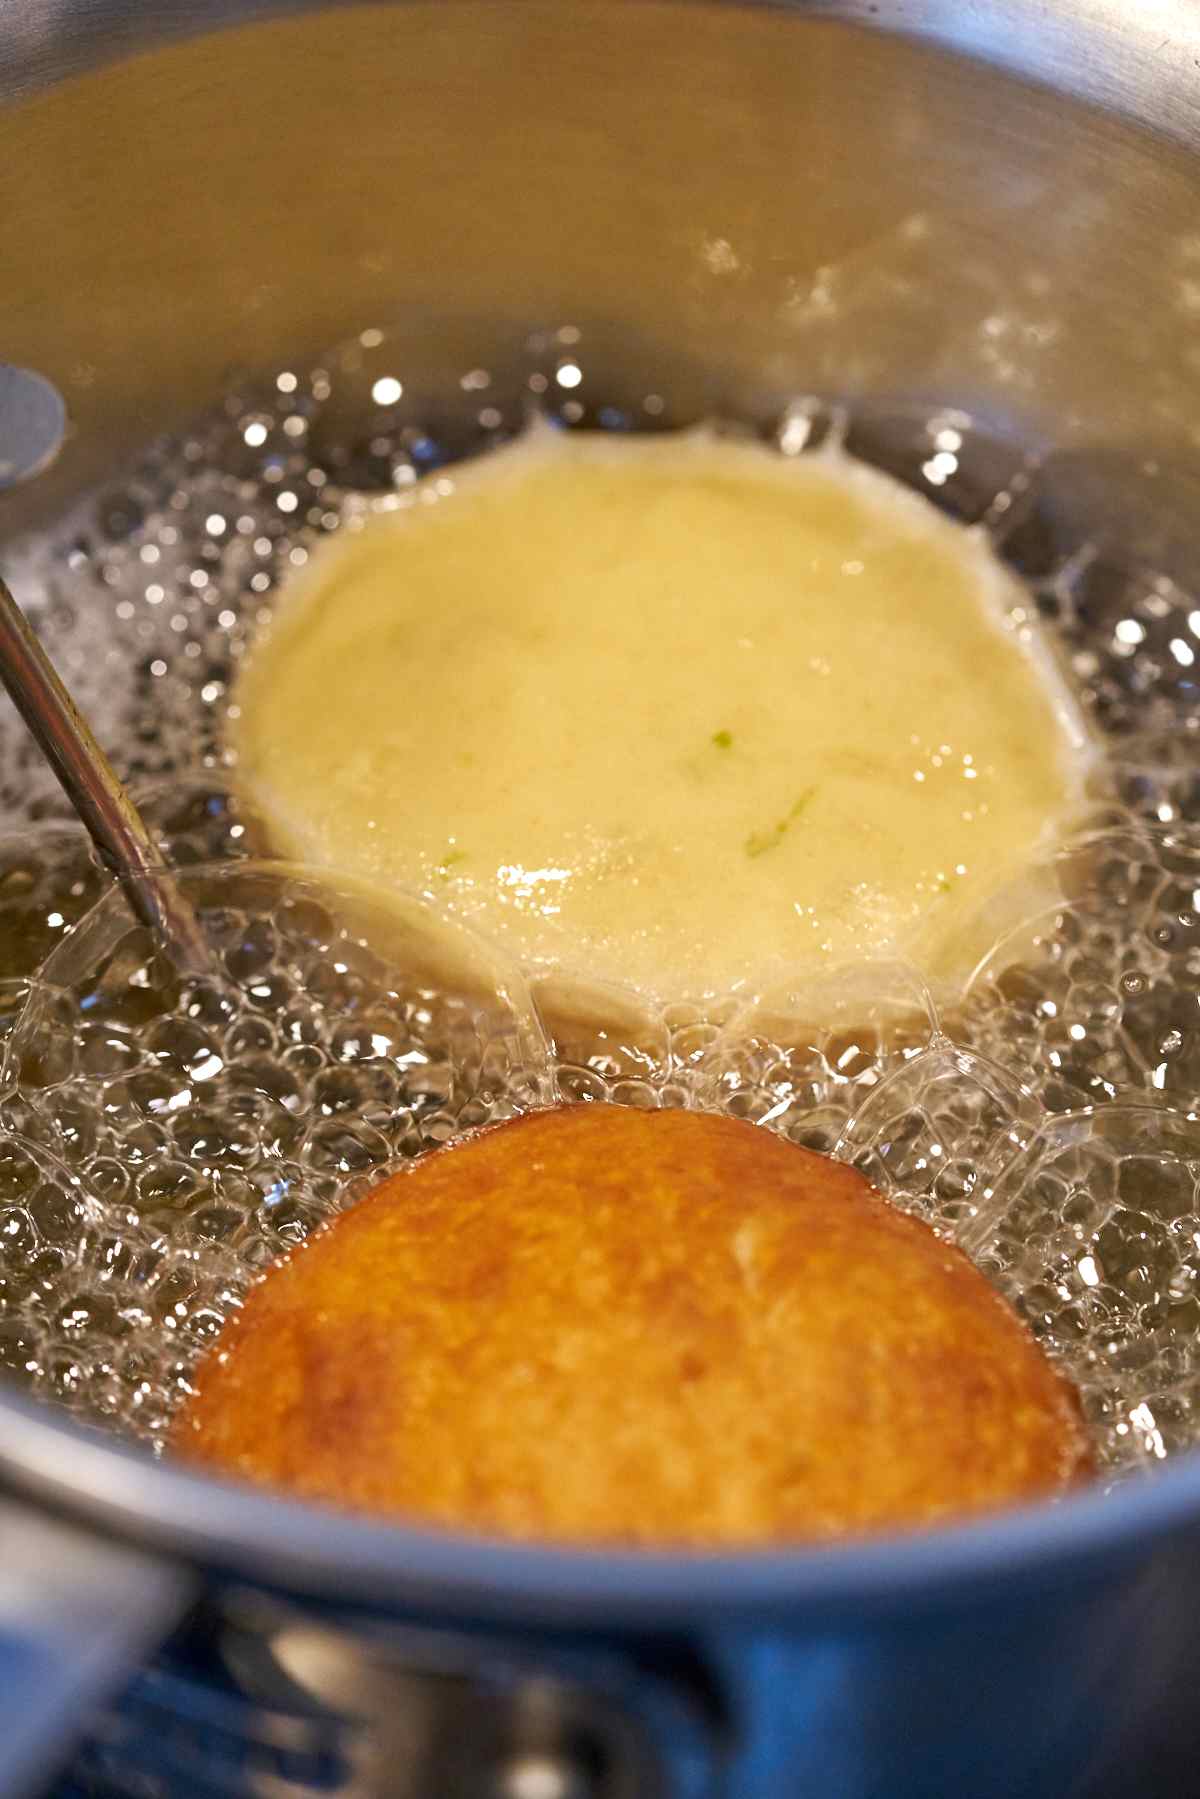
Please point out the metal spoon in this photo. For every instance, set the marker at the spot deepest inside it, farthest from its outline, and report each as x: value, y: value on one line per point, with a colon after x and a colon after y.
x: 90, y: 782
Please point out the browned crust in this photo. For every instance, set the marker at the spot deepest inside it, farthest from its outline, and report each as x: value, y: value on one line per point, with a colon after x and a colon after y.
x: 598, y: 1324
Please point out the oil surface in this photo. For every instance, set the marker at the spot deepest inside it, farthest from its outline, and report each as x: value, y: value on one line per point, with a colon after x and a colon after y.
x: 164, y: 1140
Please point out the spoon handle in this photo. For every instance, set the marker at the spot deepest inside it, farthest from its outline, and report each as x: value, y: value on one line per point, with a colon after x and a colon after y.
x: 90, y: 782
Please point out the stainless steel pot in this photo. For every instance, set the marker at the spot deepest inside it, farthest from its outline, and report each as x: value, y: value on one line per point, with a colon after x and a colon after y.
x: 992, y: 203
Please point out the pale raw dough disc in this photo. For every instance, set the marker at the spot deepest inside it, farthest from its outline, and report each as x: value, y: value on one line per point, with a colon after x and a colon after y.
x: 677, y: 712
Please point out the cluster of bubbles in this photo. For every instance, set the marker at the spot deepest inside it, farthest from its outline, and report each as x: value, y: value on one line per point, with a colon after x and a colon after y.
x: 165, y: 1139
x: 174, y: 1136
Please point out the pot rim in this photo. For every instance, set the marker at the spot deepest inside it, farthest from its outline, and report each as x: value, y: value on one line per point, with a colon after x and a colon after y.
x: 119, y: 1490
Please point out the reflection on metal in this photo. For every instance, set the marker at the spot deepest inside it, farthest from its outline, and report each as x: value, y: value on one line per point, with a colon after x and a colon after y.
x: 33, y: 423
x: 67, y: 1640
x: 468, y: 1715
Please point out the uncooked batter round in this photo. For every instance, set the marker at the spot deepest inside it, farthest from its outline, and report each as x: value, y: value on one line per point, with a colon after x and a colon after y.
x: 675, y: 712
x: 601, y: 1325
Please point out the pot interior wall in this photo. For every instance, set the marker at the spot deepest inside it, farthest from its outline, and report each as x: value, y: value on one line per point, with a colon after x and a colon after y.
x: 779, y: 203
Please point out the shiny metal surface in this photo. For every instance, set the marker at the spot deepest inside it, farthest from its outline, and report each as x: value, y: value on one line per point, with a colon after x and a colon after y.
x: 33, y: 423
x: 813, y: 204
x: 74, y: 1614
x: 475, y: 1715
x: 1139, y: 61
x: 847, y: 197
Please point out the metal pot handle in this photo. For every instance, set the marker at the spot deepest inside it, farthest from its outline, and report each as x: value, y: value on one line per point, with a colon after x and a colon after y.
x: 77, y: 1615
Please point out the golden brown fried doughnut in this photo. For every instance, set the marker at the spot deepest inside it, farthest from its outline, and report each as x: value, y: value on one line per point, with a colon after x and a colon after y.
x: 602, y: 1325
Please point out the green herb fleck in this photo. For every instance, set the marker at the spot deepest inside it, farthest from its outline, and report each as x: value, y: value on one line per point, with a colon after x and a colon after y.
x: 723, y: 739
x: 759, y: 842
x: 449, y: 861
x: 943, y: 885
